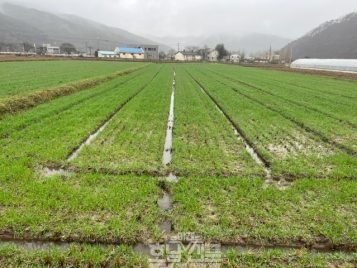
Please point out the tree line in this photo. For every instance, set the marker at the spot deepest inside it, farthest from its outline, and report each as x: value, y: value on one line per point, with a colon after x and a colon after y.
x: 65, y: 48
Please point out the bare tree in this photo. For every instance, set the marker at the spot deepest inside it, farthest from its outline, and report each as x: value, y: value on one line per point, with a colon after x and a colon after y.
x: 162, y: 55
x: 192, y: 48
x: 171, y: 54
x: 68, y: 48
x: 204, y: 52
x: 27, y: 46
x: 242, y: 55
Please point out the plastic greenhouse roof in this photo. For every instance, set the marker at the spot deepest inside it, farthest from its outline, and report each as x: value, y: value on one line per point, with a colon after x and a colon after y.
x: 345, y: 65
x: 106, y: 52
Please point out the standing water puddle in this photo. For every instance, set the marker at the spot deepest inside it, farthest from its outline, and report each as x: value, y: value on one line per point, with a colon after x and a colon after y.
x: 171, y: 178
x: 48, y: 172
x: 164, y: 203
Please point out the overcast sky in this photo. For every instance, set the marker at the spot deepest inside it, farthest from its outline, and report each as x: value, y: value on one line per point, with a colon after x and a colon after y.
x: 287, y: 18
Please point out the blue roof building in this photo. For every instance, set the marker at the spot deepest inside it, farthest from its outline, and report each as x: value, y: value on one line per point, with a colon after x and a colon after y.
x: 129, y: 50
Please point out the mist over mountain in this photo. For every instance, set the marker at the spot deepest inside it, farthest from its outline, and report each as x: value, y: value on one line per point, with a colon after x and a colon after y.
x: 332, y: 39
x: 249, y: 43
x: 20, y: 24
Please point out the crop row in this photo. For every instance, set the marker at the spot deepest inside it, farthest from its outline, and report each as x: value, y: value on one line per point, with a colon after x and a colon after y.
x: 204, y: 142
x: 71, y: 206
x: 328, y: 88
x: 326, y: 124
x: 96, y: 207
x: 311, y: 212
x: 134, y: 139
x: 19, y: 78
x: 48, y: 132
x: 337, y: 108
x: 287, y: 146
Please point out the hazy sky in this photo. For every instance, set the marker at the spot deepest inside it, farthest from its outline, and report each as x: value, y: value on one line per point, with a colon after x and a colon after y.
x: 287, y: 18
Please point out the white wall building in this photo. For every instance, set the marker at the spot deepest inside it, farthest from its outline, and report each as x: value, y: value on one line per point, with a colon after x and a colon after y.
x: 235, y: 58
x: 187, y: 56
x: 51, y: 50
x: 213, y: 55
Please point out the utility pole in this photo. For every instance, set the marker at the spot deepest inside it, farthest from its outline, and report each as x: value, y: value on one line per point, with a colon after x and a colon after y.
x: 270, y: 54
x: 178, y: 47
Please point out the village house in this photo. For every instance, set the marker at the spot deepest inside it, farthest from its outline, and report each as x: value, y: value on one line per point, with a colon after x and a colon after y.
x: 213, y: 55
x: 51, y: 50
x: 234, y: 58
x: 187, y: 56
x: 130, y: 53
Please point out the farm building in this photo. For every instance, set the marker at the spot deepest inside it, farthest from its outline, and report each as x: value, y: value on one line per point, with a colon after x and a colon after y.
x: 130, y: 53
x: 107, y: 54
x: 187, y: 56
x: 339, y: 65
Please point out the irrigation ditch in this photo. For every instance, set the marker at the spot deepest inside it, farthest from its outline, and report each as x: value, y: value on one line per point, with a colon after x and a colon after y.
x: 144, y: 248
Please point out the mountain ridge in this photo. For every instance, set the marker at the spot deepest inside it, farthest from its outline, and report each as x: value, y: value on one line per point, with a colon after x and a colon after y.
x: 332, y: 39
x: 21, y: 24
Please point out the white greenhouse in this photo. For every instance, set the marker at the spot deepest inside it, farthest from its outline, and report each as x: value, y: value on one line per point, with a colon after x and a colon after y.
x: 337, y: 65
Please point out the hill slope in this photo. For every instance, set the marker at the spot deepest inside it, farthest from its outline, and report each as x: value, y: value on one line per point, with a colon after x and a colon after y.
x: 19, y: 24
x: 333, y: 39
